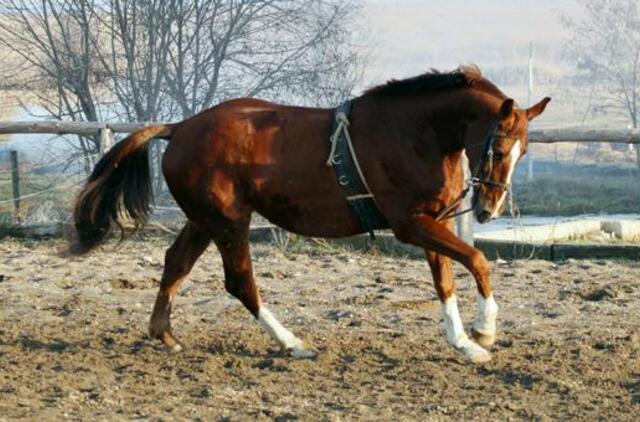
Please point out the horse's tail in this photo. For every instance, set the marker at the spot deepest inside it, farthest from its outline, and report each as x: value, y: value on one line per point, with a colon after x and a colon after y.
x: 119, y: 188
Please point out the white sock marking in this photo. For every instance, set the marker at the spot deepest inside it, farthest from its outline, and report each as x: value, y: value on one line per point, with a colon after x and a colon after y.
x: 456, y: 335
x: 486, y: 313
x: 284, y: 337
x: 452, y: 322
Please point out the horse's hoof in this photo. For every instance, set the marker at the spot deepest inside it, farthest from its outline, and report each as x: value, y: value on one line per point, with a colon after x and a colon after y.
x: 479, y: 356
x: 475, y: 353
x: 302, y: 353
x: 483, y: 340
x: 176, y: 348
x: 170, y: 343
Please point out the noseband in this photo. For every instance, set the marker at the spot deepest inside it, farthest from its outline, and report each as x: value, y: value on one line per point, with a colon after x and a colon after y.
x: 476, y: 178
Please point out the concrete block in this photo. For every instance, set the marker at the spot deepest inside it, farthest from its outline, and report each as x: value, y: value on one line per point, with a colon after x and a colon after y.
x: 548, y: 233
x: 626, y: 230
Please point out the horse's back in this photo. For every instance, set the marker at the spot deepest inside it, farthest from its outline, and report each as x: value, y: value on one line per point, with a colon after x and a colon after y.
x: 249, y: 154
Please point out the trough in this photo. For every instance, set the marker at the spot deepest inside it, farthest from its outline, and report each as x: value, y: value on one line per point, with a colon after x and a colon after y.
x: 624, y: 230
x: 543, y: 233
x: 553, y: 241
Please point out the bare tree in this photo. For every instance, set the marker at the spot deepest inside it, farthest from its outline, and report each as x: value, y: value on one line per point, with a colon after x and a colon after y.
x: 279, y: 49
x: 154, y: 60
x: 605, y: 43
x: 53, y: 38
x: 132, y: 48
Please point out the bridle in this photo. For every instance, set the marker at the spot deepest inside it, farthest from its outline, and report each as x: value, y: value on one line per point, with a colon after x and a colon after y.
x: 476, y: 178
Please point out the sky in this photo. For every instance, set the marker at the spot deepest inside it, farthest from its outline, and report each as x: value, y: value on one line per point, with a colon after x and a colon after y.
x: 407, y: 37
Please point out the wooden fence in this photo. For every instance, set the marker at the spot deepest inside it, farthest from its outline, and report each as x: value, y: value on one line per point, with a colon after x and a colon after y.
x: 106, y: 131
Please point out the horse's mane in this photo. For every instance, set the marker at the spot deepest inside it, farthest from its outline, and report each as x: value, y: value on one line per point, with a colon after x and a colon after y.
x: 434, y: 81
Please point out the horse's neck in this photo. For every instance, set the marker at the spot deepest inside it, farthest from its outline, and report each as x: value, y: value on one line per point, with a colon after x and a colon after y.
x: 440, y: 118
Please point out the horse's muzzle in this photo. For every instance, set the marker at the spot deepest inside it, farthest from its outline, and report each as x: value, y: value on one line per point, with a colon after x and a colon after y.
x: 483, y: 217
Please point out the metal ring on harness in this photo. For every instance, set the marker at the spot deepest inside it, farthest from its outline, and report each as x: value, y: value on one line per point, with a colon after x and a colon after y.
x: 342, y: 157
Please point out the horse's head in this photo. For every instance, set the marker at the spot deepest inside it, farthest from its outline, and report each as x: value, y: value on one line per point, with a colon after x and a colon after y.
x: 502, y: 148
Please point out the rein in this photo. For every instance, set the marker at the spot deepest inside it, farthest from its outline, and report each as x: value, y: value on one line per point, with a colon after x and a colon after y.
x: 474, y: 180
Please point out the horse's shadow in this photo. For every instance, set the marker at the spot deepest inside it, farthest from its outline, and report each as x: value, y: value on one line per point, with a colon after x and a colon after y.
x: 33, y: 344
x: 523, y: 379
x: 634, y: 389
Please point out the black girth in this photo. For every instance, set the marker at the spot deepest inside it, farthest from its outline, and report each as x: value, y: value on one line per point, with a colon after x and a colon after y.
x: 349, y: 176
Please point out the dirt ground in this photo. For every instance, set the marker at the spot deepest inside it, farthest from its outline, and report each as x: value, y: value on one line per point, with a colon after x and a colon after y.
x: 73, y: 340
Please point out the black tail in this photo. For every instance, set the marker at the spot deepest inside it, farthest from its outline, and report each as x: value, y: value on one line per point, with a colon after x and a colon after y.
x: 119, y: 188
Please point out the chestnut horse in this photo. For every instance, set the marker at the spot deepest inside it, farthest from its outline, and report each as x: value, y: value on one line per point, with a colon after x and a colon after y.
x: 247, y: 155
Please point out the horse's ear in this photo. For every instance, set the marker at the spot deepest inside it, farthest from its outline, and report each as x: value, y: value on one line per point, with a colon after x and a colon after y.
x: 537, y: 109
x: 506, y: 109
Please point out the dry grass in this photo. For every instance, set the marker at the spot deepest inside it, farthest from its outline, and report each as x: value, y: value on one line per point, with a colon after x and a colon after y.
x: 571, y: 195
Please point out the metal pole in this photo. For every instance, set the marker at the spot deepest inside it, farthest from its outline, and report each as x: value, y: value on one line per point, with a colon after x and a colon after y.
x: 106, y: 140
x: 15, y: 184
x: 464, y: 222
x: 529, y: 176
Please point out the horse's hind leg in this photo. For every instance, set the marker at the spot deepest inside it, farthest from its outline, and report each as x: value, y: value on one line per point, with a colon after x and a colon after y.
x: 232, y: 240
x: 179, y: 260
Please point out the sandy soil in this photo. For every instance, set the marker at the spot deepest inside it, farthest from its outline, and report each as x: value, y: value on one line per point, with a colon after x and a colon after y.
x: 73, y: 340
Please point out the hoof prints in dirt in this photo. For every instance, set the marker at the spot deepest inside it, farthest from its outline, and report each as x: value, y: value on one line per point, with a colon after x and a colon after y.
x: 74, y: 345
x: 125, y: 284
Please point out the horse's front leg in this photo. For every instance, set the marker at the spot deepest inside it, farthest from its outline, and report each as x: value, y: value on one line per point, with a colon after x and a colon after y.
x: 441, y: 245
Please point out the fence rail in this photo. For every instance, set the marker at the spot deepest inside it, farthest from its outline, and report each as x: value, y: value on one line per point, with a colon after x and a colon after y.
x: 542, y: 136
x: 73, y: 128
x: 614, y: 136
x: 464, y: 224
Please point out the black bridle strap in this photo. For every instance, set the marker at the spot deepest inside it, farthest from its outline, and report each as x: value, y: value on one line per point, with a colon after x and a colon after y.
x: 444, y: 213
x: 487, y: 153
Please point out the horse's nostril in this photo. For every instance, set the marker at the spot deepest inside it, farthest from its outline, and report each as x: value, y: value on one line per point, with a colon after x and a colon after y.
x: 483, y: 217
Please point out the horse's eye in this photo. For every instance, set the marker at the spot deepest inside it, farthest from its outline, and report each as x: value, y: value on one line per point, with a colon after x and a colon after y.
x: 498, y: 156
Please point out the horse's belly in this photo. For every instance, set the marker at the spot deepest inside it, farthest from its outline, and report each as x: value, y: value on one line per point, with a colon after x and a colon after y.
x: 311, y: 217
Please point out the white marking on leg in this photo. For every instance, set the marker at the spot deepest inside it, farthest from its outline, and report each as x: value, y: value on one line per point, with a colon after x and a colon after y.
x: 514, y: 155
x: 456, y: 335
x: 452, y: 322
x: 485, y: 322
x: 486, y: 313
x: 284, y: 337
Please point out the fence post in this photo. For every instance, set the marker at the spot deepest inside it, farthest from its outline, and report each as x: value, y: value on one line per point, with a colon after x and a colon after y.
x: 106, y: 140
x: 529, y: 175
x: 15, y: 184
x: 464, y: 222
x: 155, y: 163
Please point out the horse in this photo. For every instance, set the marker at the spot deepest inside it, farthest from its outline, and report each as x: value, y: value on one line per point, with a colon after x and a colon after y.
x: 248, y: 155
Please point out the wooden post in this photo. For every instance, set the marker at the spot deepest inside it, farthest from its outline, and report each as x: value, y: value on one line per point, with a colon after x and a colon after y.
x: 106, y: 140
x: 464, y: 222
x: 15, y: 184
x: 157, y: 165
